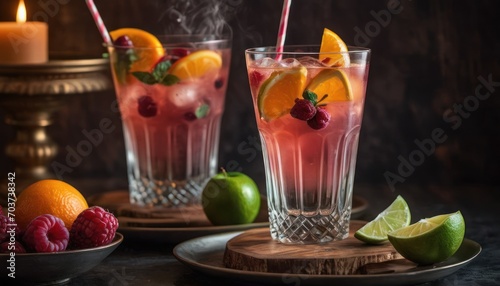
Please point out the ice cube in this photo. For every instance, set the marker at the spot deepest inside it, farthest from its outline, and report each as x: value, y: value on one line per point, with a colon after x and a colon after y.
x: 267, y: 63
x: 309, y: 62
x: 290, y: 63
x: 183, y: 95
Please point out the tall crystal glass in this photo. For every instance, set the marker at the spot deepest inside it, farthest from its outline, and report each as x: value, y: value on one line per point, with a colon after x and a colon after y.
x: 171, y: 128
x: 309, y: 165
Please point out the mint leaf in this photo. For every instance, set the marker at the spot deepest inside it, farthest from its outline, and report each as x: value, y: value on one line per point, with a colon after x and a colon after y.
x: 202, y: 111
x: 311, y: 96
x: 124, y: 59
x: 121, y: 70
x: 132, y: 56
x: 160, y: 70
x: 169, y: 79
x: 159, y: 75
x: 145, y: 77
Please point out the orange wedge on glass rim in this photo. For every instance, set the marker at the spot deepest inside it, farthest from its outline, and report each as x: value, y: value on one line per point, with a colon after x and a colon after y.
x: 332, y: 82
x: 196, y: 64
x: 147, y: 57
x: 332, y: 43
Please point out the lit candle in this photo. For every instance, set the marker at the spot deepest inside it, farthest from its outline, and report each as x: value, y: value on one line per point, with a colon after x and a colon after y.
x: 23, y: 42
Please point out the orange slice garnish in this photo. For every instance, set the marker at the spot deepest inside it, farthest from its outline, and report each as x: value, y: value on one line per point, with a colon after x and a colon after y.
x: 196, y: 64
x: 149, y: 51
x: 332, y: 82
x: 278, y: 93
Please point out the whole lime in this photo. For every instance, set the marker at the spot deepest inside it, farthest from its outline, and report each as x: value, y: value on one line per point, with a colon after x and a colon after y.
x: 231, y: 198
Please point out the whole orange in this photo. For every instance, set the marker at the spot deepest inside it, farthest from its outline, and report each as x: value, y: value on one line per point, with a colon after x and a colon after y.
x: 49, y: 197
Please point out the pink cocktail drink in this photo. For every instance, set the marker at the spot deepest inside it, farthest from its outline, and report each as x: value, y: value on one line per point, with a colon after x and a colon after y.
x: 171, y: 124
x: 309, y: 163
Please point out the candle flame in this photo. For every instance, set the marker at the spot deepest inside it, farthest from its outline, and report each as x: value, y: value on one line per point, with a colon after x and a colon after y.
x: 21, y: 12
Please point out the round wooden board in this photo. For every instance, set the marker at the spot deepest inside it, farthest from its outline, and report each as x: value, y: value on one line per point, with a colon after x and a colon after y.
x: 254, y: 250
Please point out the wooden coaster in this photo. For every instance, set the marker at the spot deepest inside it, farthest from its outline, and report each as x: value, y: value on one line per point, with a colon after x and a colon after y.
x: 254, y: 250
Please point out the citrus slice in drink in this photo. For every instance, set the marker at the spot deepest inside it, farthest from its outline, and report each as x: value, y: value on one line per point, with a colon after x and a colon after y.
x: 278, y: 93
x: 394, y: 217
x: 430, y: 240
x: 333, y: 44
x: 332, y: 82
x: 149, y: 49
x: 196, y: 64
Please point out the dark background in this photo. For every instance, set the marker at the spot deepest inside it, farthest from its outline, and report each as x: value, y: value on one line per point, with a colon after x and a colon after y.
x: 427, y: 58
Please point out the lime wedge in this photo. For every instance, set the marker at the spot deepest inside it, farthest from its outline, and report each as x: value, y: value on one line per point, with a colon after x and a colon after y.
x: 394, y: 217
x: 278, y: 93
x: 332, y: 82
x: 430, y: 240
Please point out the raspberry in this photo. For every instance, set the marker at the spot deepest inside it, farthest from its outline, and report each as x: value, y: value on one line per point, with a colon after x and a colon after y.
x: 46, y: 233
x: 123, y: 42
x: 190, y: 116
x: 255, y: 78
x: 3, y: 227
x: 320, y: 120
x: 7, y: 247
x: 147, y: 106
x: 219, y: 83
x: 303, y: 109
x: 19, y: 233
x: 177, y: 54
x: 93, y: 227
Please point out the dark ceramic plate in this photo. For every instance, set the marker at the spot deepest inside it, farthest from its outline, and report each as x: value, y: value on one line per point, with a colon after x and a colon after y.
x: 204, y: 254
x: 54, y: 268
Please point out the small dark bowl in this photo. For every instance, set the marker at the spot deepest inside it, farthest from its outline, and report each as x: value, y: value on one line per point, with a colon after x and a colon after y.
x: 54, y: 268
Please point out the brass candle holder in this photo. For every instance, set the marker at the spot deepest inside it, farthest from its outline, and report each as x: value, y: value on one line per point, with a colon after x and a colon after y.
x: 31, y: 95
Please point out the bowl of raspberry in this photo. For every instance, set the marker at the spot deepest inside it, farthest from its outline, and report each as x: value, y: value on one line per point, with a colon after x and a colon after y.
x: 47, y: 252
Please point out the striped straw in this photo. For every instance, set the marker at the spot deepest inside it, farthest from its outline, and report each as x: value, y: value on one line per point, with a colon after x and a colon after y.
x: 282, y: 30
x: 98, y: 21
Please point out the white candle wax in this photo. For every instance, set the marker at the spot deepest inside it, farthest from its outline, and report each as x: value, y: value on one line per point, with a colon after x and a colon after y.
x: 23, y: 43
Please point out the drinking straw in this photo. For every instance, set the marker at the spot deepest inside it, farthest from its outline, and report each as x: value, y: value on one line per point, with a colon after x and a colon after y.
x: 98, y: 21
x: 282, y: 30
